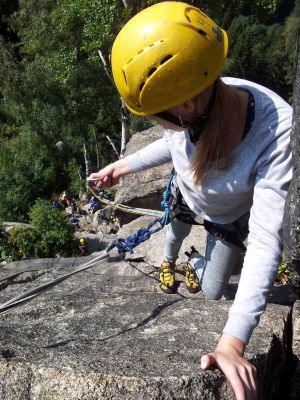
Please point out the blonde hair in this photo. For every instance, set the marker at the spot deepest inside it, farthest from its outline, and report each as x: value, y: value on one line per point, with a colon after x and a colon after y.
x: 213, y: 146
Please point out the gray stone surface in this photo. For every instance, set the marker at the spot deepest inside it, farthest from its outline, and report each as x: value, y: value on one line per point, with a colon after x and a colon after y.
x: 295, y: 386
x: 9, y: 225
x: 296, y: 329
x: 95, y: 241
x: 108, y: 333
x: 291, y: 220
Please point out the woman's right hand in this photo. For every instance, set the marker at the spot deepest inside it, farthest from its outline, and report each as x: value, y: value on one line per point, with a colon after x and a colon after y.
x: 228, y: 357
x: 111, y: 174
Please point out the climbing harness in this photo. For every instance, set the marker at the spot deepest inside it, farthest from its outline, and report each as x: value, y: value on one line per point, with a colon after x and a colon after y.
x: 122, y: 246
x: 235, y: 237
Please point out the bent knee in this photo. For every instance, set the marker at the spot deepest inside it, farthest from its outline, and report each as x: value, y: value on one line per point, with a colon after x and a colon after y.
x: 214, y: 293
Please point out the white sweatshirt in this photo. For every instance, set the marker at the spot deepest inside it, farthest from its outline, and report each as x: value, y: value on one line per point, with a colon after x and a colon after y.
x: 257, y: 180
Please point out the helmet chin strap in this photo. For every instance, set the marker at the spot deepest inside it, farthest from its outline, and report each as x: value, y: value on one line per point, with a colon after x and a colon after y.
x: 195, y: 128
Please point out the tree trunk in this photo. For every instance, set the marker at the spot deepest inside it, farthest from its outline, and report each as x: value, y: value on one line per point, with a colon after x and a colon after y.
x: 87, y: 159
x: 112, y: 145
x: 97, y: 150
x: 125, y: 117
x: 291, y: 220
x: 125, y: 114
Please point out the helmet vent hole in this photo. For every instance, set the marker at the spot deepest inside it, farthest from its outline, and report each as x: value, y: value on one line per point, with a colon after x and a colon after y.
x: 203, y: 33
x: 218, y: 33
x: 125, y: 77
x: 202, y: 14
x: 142, y: 85
x: 152, y: 70
x: 165, y: 59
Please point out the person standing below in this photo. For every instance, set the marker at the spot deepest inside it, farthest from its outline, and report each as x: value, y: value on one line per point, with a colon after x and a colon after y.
x: 229, y: 141
x: 83, y: 247
x: 93, y: 202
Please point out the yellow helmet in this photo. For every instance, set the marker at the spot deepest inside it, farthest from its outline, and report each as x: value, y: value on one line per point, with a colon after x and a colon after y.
x: 165, y: 55
x: 81, y: 241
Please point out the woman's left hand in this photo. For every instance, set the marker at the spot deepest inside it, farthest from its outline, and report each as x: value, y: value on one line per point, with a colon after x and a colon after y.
x: 239, y: 372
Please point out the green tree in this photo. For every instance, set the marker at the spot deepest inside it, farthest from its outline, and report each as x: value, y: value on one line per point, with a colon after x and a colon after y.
x: 72, y: 95
x: 48, y: 235
x: 51, y: 232
x: 27, y: 170
x: 58, y: 90
x: 261, y: 53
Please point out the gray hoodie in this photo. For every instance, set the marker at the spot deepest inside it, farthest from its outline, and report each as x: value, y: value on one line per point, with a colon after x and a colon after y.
x: 257, y: 180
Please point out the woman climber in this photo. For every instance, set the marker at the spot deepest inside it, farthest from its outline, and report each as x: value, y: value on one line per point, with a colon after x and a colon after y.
x: 229, y: 141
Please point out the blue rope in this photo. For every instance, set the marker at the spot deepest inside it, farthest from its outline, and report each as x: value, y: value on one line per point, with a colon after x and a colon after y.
x: 129, y: 243
x: 166, y: 200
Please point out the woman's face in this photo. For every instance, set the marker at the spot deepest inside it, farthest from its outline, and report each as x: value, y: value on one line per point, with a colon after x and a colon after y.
x: 187, y: 111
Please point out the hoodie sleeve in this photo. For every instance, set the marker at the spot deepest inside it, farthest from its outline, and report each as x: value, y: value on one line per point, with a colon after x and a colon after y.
x: 156, y: 153
x: 263, y: 255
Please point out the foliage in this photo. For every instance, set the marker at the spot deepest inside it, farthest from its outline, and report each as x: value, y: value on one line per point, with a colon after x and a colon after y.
x: 52, y: 233
x: 291, y: 41
x: 76, y: 183
x: 139, y: 124
x: 56, y: 90
x: 48, y: 235
x: 27, y: 170
x: 20, y: 244
x: 7, y: 251
x: 284, y: 274
x: 258, y: 52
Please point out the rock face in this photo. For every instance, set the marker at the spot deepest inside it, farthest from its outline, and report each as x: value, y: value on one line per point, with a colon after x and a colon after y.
x: 295, y: 389
x: 292, y: 209
x: 109, y: 333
